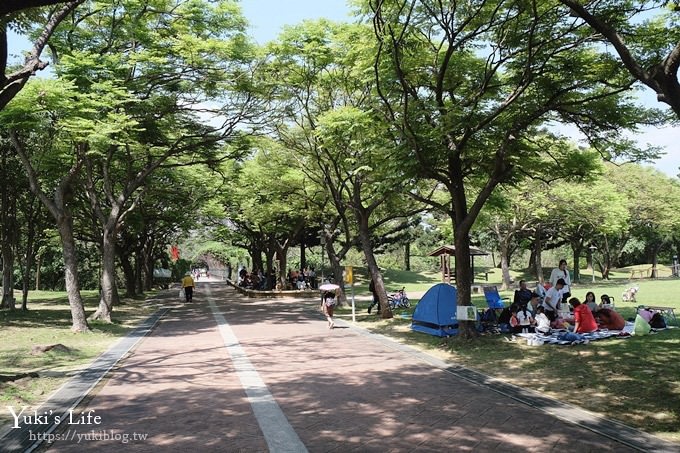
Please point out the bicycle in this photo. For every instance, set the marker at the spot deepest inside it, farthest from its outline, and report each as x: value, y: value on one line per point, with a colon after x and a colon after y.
x: 398, y: 299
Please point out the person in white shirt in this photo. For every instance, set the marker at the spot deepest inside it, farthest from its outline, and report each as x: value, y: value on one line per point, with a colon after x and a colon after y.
x: 542, y: 321
x: 561, y: 272
x: 525, y: 320
x: 553, y: 299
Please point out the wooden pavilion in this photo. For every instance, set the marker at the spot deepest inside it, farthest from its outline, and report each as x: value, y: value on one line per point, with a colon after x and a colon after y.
x: 445, y: 252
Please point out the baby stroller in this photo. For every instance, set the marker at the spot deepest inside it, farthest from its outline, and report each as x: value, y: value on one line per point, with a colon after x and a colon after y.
x: 398, y: 299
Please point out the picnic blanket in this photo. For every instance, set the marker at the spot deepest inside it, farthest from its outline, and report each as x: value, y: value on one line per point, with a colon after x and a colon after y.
x: 557, y: 336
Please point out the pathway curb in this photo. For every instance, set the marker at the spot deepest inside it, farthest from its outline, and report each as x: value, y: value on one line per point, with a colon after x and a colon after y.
x: 29, y: 437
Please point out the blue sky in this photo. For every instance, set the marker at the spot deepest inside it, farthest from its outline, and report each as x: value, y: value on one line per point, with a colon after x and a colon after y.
x: 267, y: 17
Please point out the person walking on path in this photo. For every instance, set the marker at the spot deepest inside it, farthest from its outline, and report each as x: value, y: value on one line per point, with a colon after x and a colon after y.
x: 328, y: 302
x: 188, y: 286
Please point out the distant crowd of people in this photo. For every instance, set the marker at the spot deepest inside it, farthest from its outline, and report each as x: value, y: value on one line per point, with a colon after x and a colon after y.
x: 258, y: 280
x: 302, y: 279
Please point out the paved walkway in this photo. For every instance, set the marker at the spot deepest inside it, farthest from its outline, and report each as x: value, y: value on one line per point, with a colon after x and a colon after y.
x: 233, y: 374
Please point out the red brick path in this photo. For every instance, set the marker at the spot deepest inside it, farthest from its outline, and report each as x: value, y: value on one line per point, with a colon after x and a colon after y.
x: 339, y: 389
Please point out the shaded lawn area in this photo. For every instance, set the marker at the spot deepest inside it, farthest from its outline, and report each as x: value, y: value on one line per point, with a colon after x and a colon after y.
x: 48, y: 322
x: 634, y: 380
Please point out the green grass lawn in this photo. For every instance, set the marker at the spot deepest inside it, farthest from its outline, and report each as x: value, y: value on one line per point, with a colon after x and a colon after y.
x: 635, y: 380
x: 48, y: 322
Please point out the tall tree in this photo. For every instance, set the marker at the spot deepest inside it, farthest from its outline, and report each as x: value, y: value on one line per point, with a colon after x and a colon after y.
x: 646, y: 37
x: 466, y: 87
x: 41, y: 121
x: 158, y: 64
x: 325, y: 108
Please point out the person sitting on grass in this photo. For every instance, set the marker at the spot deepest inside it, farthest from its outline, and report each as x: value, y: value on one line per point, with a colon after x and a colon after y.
x: 523, y: 294
x: 590, y: 301
x: 525, y: 320
x: 584, y: 321
x: 606, y: 302
x: 534, y: 302
x: 542, y: 321
x: 610, y: 319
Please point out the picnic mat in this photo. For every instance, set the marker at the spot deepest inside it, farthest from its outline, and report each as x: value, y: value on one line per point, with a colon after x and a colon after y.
x: 554, y: 337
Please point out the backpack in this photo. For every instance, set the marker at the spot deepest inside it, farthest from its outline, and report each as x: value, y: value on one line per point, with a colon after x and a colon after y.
x: 657, y: 321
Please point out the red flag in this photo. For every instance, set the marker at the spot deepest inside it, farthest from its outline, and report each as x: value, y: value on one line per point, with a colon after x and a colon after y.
x: 174, y: 252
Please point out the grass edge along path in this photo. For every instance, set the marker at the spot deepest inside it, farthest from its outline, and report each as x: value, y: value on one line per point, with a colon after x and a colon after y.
x: 67, y: 397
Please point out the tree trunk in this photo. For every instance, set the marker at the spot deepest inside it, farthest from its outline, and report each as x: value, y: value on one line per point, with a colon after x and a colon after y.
x: 9, y: 234
x: 407, y: 256
x: 505, y: 264
x: 538, y: 249
x: 466, y: 329
x: 303, y: 250
x: 108, y: 287
x: 335, y: 260
x: 148, y: 262
x: 269, y: 258
x: 654, y: 252
x: 59, y: 209
x: 38, y: 263
x: 139, y: 271
x: 8, y: 300
x: 373, y: 270
x: 256, y: 255
x: 282, y: 252
x: 129, y: 274
x: 607, y: 257
x: 65, y: 227
x: 29, y: 258
x: 577, y: 248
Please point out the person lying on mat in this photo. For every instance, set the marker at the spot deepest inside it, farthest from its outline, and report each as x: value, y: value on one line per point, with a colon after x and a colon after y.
x: 584, y: 321
x: 610, y: 319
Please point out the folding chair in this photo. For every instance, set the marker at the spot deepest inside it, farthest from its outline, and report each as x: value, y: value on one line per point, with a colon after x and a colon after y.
x: 493, y: 299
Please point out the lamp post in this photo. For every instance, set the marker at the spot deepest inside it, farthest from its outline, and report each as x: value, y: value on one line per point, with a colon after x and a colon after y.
x: 592, y: 249
x: 322, y: 241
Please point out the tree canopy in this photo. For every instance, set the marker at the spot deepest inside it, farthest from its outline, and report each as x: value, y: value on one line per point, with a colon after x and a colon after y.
x: 344, y: 136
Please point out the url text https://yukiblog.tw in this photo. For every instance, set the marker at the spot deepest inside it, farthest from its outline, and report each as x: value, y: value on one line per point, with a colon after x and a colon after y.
x: 72, y: 435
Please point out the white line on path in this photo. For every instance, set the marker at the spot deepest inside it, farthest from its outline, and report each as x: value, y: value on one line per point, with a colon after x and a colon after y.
x: 279, y: 434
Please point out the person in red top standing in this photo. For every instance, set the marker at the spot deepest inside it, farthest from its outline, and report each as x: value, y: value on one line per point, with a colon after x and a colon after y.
x: 583, y: 317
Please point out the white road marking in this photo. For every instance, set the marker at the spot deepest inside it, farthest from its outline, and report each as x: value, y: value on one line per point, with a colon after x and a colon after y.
x: 279, y: 434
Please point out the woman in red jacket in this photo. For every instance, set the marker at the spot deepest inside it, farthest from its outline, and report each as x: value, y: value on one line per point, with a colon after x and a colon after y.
x: 583, y: 317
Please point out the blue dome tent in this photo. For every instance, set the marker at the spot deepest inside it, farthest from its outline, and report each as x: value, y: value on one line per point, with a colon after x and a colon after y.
x: 435, y: 314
